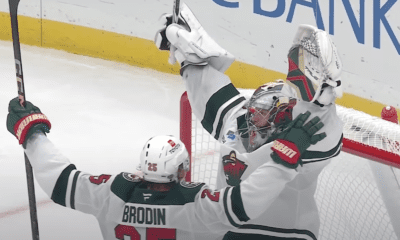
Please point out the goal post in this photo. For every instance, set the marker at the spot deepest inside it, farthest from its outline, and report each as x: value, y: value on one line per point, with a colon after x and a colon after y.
x: 185, y: 124
x: 358, y: 193
x: 371, y: 153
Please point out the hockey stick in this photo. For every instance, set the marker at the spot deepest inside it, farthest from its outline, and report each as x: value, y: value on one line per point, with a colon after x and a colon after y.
x: 175, y: 15
x: 175, y: 11
x: 21, y: 95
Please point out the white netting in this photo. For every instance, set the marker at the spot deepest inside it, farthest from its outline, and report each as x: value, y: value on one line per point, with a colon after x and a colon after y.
x: 350, y: 203
x: 205, y: 154
x: 373, y: 131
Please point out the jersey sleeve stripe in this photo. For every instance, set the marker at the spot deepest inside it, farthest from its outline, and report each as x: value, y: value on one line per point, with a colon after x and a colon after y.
x: 264, y: 230
x: 228, y: 215
x: 322, y: 159
x: 73, y: 189
x: 68, y: 191
x: 319, y: 156
x: 215, y: 102
x: 60, y: 188
x: 237, y: 205
x: 276, y: 233
x: 228, y: 208
x: 221, y: 118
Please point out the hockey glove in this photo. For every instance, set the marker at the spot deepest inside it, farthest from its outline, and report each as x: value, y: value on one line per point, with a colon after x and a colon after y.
x: 22, y: 122
x: 160, y: 39
x: 193, y: 44
x: 321, y: 60
x: 295, y: 139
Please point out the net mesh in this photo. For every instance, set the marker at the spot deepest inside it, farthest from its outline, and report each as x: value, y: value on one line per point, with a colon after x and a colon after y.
x: 205, y: 154
x: 350, y: 203
x: 370, y: 130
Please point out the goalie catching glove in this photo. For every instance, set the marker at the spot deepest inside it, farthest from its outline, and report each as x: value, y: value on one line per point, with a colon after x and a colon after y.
x: 22, y: 122
x: 295, y: 139
x: 314, y: 57
x: 192, y: 43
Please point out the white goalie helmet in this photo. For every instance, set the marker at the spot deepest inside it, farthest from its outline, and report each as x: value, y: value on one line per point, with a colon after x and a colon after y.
x: 269, y: 110
x: 161, y: 158
x: 314, y: 66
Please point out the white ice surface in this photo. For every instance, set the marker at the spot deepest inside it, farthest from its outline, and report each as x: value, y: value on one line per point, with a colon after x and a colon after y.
x: 102, y: 113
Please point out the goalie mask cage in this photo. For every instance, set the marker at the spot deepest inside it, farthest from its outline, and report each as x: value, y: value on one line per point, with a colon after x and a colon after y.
x: 358, y: 193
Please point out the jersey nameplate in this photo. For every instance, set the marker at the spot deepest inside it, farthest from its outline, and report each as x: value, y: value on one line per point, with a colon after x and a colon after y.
x: 144, y: 215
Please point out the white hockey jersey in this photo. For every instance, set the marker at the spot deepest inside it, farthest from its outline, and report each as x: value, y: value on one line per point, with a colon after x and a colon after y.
x: 124, y: 207
x: 219, y: 106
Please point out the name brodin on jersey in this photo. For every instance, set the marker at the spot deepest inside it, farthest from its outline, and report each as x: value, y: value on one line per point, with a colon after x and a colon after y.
x: 144, y: 215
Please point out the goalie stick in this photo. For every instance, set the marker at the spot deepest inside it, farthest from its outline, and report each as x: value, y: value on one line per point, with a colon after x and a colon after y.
x: 175, y: 16
x: 21, y: 95
x: 175, y: 11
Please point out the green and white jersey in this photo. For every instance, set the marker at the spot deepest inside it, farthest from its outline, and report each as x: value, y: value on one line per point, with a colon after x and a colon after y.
x: 122, y: 204
x: 219, y: 106
x: 126, y: 209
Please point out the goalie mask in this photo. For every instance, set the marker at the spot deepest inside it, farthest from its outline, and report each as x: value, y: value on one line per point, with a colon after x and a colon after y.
x: 269, y: 110
x: 162, y: 158
x: 314, y: 66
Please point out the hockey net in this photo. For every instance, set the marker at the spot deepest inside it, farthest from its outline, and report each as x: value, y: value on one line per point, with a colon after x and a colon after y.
x: 358, y: 193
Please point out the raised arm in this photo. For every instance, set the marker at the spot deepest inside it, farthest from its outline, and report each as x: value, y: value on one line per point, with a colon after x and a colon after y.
x: 56, y: 175
x: 211, y: 93
x: 62, y: 182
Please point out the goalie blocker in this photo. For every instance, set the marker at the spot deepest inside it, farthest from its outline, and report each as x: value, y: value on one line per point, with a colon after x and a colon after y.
x: 194, y: 45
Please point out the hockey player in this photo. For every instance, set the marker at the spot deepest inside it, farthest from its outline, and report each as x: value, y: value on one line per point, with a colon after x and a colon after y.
x: 153, y: 206
x: 233, y: 119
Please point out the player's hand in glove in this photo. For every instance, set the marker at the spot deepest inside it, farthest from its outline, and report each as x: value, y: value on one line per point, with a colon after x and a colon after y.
x: 22, y: 122
x: 295, y: 139
x: 191, y: 43
x: 160, y: 39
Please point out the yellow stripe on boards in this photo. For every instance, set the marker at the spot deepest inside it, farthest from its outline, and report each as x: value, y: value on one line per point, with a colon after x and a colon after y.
x: 107, y: 45
x: 244, y: 75
x: 29, y: 29
x: 141, y: 52
x: 361, y: 104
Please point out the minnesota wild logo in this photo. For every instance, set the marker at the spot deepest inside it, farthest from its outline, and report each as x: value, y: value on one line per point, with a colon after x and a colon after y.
x: 233, y: 168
